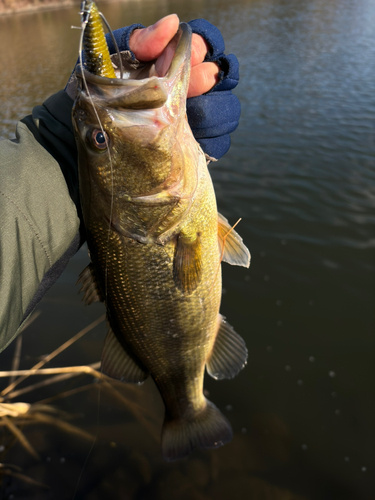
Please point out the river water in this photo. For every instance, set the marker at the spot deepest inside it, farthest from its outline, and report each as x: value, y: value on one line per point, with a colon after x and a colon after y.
x: 301, y: 174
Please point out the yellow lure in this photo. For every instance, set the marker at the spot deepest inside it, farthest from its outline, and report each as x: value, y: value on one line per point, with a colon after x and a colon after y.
x: 95, y: 47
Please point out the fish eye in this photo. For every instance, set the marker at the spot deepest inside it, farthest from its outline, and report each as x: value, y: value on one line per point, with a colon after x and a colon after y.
x: 100, y: 139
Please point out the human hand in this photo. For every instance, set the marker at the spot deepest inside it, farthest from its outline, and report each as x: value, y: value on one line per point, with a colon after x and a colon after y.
x: 149, y: 43
x: 213, y: 111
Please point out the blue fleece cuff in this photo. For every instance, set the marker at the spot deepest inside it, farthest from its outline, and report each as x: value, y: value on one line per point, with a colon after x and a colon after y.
x: 229, y: 67
x: 215, y: 146
x: 213, y: 114
x: 212, y: 36
x: 229, y: 75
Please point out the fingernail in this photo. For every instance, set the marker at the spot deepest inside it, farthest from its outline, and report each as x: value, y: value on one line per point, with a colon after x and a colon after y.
x: 154, y: 26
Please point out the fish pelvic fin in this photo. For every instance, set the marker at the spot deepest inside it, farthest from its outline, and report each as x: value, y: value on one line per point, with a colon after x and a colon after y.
x: 229, y: 353
x: 231, y: 246
x: 205, y: 429
x: 90, y: 287
x: 118, y: 364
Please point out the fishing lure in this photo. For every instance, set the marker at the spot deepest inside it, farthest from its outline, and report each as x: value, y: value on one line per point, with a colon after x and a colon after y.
x: 93, y: 43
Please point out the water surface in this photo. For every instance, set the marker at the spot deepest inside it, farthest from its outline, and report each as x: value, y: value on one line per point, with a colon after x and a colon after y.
x: 301, y: 174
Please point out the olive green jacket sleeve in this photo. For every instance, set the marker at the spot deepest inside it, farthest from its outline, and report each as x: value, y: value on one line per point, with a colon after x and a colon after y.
x: 39, y: 222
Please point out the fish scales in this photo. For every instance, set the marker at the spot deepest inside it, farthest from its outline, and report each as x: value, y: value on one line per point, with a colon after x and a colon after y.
x: 156, y: 243
x: 144, y: 273
x: 142, y: 308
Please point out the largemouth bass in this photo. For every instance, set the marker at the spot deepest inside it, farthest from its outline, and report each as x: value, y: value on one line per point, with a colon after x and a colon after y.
x: 156, y: 242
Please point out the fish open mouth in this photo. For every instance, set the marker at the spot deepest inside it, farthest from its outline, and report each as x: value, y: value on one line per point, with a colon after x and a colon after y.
x: 143, y: 85
x: 141, y: 123
x: 165, y: 65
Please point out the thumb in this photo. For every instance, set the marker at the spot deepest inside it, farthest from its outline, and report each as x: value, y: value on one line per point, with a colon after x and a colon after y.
x: 148, y: 43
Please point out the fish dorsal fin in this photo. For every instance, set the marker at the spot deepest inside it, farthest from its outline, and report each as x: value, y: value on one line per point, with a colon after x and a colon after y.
x: 187, y: 263
x: 118, y: 364
x: 229, y: 353
x: 235, y: 252
x: 90, y: 287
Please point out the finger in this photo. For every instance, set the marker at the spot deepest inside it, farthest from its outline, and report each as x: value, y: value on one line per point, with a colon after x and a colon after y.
x: 199, y: 49
x: 203, y: 77
x: 149, y: 43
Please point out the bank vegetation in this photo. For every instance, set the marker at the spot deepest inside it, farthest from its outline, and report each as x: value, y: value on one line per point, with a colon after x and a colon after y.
x: 14, y: 6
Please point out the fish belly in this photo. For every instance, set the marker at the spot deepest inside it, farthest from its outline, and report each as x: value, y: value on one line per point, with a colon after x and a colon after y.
x: 170, y: 332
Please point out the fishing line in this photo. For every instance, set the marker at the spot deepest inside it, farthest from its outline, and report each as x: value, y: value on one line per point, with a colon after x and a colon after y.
x: 83, y: 26
x: 225, y: 237
x: 93, y: 442
x: 114, y: 43
x: 85, y: 14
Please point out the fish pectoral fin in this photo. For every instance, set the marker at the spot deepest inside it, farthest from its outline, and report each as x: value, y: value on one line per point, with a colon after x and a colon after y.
x: 187, y: 263
x: 90, y: 287
x: 229, y: 354
x: 118, y: 364
x: 231, y: 246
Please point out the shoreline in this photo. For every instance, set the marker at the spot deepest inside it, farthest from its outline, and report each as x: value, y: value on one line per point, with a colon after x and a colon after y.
x: 11, y: 7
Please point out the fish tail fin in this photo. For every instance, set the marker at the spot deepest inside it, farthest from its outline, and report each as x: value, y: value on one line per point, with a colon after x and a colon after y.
x: 207, y: 428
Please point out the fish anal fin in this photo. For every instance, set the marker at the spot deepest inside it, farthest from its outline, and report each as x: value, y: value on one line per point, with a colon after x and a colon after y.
x: 90, y: 287
x: 231, y: 246
x: 187, y: 263
x: 229, y: 353
x: 118, y: 364
x: 205, y: 429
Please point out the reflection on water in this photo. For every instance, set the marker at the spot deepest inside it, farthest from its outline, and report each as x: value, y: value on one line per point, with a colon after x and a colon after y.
x: 301, y: 173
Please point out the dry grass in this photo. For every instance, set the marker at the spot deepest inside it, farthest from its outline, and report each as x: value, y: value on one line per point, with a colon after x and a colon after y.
x: 16, y: 415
